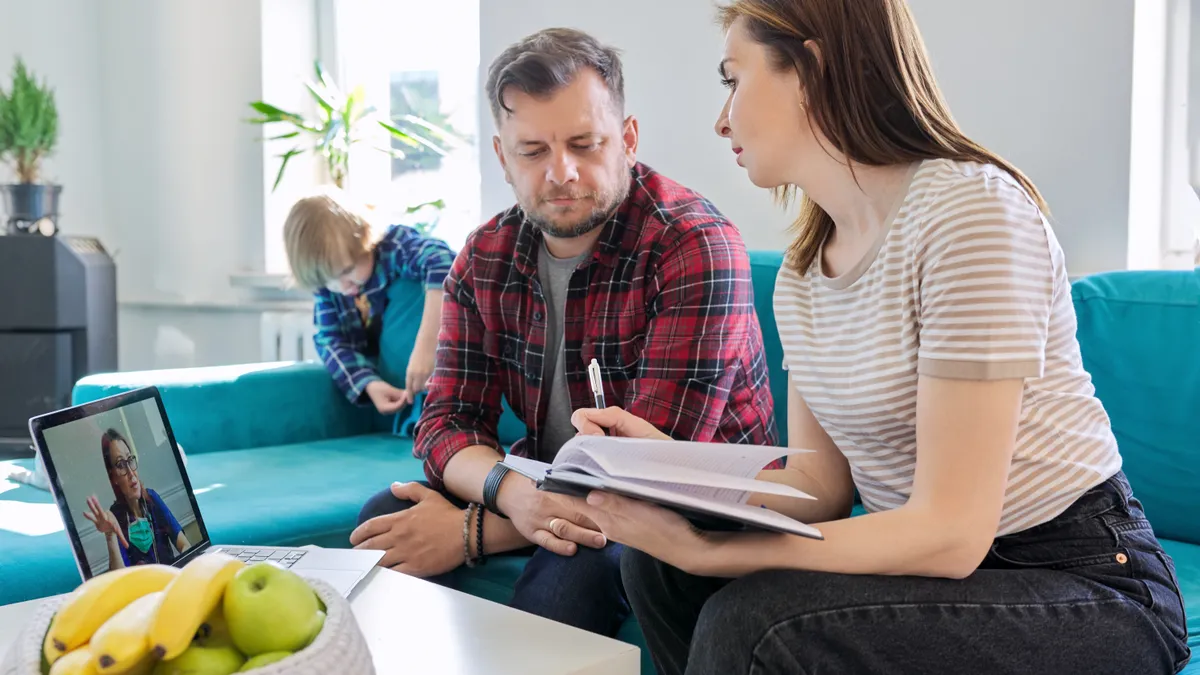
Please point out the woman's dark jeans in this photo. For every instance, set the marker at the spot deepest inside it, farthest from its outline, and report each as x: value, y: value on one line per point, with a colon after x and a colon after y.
x: 1089, y: 592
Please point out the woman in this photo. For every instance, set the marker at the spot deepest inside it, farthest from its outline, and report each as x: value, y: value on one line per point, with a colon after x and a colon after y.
x: 138, y: 527
x: 928, y: 330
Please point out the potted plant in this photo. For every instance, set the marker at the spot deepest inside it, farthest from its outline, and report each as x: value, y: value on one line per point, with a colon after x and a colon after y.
x: 28, y: 134
x: 342, y: 120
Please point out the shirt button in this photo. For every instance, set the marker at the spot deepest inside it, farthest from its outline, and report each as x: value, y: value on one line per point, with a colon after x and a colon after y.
x: 537, y: 316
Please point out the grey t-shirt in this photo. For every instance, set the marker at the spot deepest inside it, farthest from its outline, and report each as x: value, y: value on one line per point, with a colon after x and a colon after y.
x: 555, y: 275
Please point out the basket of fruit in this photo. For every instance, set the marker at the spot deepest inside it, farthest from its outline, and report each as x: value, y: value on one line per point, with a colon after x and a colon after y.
x: 215, y: 616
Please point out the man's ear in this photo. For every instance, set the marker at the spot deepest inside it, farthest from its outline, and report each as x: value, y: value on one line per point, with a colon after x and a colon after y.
x: 630, y: 136
x: 500, y: 156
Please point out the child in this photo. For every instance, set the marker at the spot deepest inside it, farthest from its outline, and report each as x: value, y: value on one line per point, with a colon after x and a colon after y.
x: 333, y: 252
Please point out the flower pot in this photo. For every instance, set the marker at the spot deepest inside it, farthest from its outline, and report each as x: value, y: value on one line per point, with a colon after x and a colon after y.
x: 26, y: 204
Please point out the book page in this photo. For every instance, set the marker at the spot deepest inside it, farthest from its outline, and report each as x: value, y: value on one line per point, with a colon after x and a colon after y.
x: 725, y: 458
x: 708, y: 484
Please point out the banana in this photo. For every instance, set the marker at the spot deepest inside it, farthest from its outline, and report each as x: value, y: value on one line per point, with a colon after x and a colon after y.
x: 124, y: 640
x: 189, y: 600
x: 97, y: 600
x: 77, y: 662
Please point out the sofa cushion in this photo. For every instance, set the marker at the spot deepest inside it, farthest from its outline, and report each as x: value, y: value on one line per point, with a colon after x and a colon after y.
x: 1140, y: 337
x: 1187, y: 567
x: 287, y: 495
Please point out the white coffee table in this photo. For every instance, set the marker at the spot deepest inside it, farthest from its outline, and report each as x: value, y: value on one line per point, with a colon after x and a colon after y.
x: 414, y: 626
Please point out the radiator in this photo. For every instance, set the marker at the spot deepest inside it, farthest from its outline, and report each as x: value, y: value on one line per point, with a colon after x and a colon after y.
x: 287, y: 336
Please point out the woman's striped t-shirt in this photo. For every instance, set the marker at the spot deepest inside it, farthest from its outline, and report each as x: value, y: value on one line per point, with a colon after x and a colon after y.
x: 968, y: 281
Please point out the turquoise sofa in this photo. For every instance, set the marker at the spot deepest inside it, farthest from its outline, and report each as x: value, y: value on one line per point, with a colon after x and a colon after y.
x: 282, y: 459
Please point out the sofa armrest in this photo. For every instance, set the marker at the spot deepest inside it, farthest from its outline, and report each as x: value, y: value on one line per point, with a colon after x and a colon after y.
x: 243, y: 406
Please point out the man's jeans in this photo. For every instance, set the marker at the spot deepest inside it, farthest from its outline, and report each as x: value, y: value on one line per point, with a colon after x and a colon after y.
x: 1089, y: 592
x: 583, y: 590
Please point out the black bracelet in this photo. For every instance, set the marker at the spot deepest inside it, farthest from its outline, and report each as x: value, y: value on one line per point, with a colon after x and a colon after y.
x: 491, y: 488
x: 479, y: 535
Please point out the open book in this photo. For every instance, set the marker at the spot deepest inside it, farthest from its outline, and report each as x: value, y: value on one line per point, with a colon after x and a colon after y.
x: 708, y: 483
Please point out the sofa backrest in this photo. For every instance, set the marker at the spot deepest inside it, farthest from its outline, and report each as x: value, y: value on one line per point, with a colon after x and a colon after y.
x: 764, y: 268
x: 1139, y: 333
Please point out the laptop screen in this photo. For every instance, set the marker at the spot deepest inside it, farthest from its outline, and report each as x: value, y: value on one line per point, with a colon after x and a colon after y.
x: 127, y: 501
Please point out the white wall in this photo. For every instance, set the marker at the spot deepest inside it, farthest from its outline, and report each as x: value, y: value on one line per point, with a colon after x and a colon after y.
x: 670, y: 54
x: 59, y: 42
x: 1045, y: 83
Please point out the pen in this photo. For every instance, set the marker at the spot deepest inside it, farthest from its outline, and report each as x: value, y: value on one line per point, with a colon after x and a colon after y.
x: 597, y: 384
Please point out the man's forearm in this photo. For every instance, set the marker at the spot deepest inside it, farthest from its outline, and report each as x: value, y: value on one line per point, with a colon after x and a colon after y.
x: 464, y: 476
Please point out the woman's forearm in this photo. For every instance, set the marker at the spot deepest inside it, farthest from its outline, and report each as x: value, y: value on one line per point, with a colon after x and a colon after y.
x: 903, y: 541
x: 115, y: 561
x: 830, y: 504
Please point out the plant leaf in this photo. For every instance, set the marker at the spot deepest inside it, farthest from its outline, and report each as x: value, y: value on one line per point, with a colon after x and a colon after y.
x: 274, y: 114
x: 411, y: 139
x: 438, y: 204
x: 283, y: 165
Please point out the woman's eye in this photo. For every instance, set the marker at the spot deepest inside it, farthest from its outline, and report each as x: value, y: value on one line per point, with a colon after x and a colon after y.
x: 728, y: 82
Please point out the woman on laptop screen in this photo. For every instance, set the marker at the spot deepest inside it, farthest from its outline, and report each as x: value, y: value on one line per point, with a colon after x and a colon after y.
x: 138, y: 527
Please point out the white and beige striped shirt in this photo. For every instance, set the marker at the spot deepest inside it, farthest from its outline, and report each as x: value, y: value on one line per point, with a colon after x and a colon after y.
x: 967, y: 282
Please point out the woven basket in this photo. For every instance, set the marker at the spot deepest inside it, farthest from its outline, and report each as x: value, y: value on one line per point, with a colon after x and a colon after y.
x: 340, y: 648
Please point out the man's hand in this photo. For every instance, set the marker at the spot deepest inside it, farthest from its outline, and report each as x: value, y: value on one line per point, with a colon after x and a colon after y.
x: 546, y: 519
x: 424, y: 540
x: 387, y: 399
x: 593, y: 422
x: 420, y: 368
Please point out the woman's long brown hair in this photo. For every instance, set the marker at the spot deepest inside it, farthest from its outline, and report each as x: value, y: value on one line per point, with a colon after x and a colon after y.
x: 872, y: 94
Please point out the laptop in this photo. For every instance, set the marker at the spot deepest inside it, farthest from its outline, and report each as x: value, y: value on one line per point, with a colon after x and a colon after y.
x: 122, y: 487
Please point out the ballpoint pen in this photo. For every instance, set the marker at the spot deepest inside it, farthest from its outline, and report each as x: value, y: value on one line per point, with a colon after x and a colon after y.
x: 597, y: 384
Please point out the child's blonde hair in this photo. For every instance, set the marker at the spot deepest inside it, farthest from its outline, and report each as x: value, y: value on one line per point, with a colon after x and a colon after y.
x: 323, y: 235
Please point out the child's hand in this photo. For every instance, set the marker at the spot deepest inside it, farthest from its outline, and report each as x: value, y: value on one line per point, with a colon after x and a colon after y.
x: 387, y: 399
x: 420, y: 369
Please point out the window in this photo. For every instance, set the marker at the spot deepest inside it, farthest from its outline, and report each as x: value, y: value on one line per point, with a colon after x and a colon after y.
x: 417, y: 59
x: 410, y: 58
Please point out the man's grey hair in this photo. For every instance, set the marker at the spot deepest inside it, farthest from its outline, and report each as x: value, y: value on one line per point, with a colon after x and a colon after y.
x: 549, y: 60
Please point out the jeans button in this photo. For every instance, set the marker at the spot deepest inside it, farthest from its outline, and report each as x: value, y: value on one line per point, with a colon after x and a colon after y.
x: 1122, y: 558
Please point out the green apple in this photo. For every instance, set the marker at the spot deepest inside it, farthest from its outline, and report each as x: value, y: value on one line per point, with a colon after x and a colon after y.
x: 270, y: 609
x: 198, y: 660
x: 264, y: 659
x: 214, y: 632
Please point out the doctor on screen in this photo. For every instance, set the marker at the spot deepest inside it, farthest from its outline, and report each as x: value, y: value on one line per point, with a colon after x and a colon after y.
x: 138, y: 527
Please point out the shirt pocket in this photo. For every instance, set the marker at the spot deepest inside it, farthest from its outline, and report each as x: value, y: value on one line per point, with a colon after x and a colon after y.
x: 505, y: 348
x: 620, y: 359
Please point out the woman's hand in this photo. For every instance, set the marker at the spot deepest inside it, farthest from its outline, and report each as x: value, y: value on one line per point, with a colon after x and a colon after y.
x: 593, y: 422
x: 104, y: 520
x: 649, y: 528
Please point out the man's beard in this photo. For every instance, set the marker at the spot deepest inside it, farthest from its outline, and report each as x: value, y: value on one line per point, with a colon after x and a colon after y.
x: 605, y: 205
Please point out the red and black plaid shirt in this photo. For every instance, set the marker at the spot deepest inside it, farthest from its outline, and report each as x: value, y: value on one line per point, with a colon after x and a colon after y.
x: 665, y: 305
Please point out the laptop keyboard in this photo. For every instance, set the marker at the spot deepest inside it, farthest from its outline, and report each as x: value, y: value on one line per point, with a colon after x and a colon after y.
x: 284, y: 557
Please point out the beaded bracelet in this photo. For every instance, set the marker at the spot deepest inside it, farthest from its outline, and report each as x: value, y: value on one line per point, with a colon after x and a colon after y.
x: 467, y: 535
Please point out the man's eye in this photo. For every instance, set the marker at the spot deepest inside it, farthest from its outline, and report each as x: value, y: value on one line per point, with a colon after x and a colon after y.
x: 531, y: 154
x: 587, y: 148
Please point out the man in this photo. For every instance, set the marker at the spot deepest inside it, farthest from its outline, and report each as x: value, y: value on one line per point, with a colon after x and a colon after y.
x: 602, y: 258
